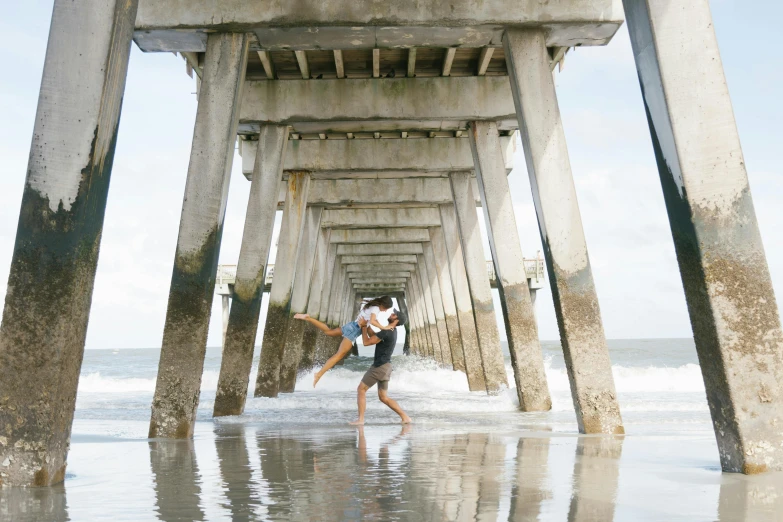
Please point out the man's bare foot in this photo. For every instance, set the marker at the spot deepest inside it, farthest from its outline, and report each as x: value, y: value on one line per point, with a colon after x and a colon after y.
x: 406, y: 420
x: 317, y: 378
x: 301, y: 316
x: 359, y: 422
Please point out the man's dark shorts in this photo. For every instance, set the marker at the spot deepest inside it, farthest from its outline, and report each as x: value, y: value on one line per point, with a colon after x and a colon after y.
x: 378, y: 375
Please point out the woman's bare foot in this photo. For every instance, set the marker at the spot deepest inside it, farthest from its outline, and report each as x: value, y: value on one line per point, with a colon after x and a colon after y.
x: 317, y: 378
x: 359, y: 422
x: 406, y: 420
x: 301, y: 316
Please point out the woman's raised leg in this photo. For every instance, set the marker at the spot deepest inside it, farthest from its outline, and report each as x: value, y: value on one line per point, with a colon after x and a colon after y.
x: 331, y: 332
x: 345, y: 347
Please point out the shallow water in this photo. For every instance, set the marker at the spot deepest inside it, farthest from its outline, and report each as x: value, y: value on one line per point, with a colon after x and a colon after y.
x: 468, y: 456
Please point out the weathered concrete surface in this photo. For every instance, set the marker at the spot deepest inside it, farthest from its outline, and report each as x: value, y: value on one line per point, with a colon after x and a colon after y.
x: 170, y: 25
x: 474, y: 368
x: 396, y: 192
x: 425, y: 346
x: 731, y: 302
x: 380, y: 218
x: 440, y: 257
x: 380, y: 235
x: 292, y: 353
x: 565, y: 249
x: 237, y: 360
x: 366, y: 156
x: 478, y: 282
x: 334, y: 105
x: 328, y: 296
x: 379, y: 249
x: 319, y: 280
x: 47, y: 304
x: 201, y: 226
x: 429, y: 308
x: 518, y: 313
x: 428, y: 262
x: 279, y: 311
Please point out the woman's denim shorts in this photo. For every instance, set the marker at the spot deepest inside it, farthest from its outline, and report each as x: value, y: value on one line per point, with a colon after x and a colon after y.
x: 351, y: 331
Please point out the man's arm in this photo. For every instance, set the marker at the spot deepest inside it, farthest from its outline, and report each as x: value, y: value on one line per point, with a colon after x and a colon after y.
x: 366, y: 339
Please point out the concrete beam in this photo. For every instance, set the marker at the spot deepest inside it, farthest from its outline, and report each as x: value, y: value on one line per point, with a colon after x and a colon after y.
x: 379, y: 249
x: 47, y: 305
x: 387, y: 267
x: 356, y: 105
x: 370, y: 155
x: 379, y: 235
x: 731, y: 301
x: 407, y: 191
x: 178, y: 385
x: 383, y: 258
x: 382, y: 218
x: 172, y: 25
x: 371, y: 271
x: 386, y: 280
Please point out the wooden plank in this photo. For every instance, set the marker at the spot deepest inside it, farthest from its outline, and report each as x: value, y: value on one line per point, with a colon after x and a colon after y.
x: 304, y: 67
x: 411, y: 62
x: 448, y: 60
x: 338, y: 63
x: 484, y: 58
x: 376, y: 63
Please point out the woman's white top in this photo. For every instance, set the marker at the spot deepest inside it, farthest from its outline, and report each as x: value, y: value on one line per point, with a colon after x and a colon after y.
x: 367, y: 312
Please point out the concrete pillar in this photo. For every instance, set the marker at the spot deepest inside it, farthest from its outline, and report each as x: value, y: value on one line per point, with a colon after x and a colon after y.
x: 428, y: 262
x: 58, y: 236
x: 423, y: 347
x: 335, y: 300
x: 279, y: 312
x: 474, y: 368
x: 201, y: 225
x: 403, y: 307
x: 573, y: 291
x: 226, y: 305
x: 478, y: 282
x: 519, y: 317
x: 322, y: 342
x: 237, y: 360
x: 428, y: 315
x: 292, y: 352
x: 319, y: 280
x: 731, y: 302
x: 428, y: 292
x: 438, y: 248
x: 357, y: 303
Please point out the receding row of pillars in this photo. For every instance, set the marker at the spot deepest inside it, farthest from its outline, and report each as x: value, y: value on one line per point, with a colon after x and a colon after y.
x: 727, y: 285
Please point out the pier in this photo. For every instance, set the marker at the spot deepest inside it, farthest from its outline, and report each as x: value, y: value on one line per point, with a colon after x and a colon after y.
x: 378, y: 129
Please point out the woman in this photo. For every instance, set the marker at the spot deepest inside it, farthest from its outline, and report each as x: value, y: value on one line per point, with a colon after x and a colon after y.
x: 349, y: 331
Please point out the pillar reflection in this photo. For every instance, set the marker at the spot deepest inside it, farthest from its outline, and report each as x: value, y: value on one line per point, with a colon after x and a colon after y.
x: 236, y: 473
x: 176, y: 480
x: 596, y: 474
x: 529, y: 488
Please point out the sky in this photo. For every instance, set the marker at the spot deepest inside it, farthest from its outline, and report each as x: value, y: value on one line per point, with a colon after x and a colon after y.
x: 617, y: 184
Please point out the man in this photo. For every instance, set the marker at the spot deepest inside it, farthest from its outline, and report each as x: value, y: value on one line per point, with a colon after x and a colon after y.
x: 380, y: 372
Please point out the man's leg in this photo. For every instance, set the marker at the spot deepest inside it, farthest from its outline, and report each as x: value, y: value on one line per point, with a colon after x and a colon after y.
x: 391, y: 403
x: 361, y: 402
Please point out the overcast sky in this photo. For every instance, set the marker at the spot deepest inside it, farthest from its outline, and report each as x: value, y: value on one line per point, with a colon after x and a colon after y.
x: 616, y: 179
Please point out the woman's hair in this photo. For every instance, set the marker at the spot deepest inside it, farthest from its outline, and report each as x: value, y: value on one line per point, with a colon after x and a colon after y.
x: 385, y: 302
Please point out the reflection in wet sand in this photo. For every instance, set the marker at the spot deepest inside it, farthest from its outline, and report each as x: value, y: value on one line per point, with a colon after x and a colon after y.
x: 758, y: 498
x: 596, y: 473
x: 529, y: 489
x: 236, y: 473
x: 34, y: 504
x: 176, y: 480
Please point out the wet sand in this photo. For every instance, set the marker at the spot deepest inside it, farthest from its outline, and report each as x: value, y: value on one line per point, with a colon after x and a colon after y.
x: 235, y: 470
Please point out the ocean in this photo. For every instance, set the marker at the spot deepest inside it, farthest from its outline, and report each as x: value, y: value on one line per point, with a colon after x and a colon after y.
x: 467, y: 456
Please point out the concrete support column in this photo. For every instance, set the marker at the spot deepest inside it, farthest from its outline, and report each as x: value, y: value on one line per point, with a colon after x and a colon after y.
x: 439, y: 267
x: 478, y: 282
x: 201, y: 227
x: 438, y: 250
x: 474, y: 368
x: 226, y: 305
x: 279, y: 312
x: 731, y: 302
x: 403, y: 307
x: 427, y: 260
x: 518, y: 314
x: 237, y: 360
x: 310, y: 335
x: 336, y: 302
x: 322, y: 342
x: 565, y: 249
x: 292, y: 352
x: 423, y: 345
x: 428, y: 315
x: 58, y: 236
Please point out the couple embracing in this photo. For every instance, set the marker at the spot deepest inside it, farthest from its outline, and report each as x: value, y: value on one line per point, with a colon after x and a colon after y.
x: 384, y: 340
